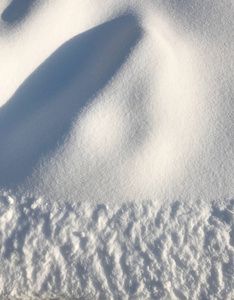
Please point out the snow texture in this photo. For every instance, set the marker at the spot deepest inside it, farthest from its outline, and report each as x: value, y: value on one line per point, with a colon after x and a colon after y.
x: 116, y: 149
x: 135, y: 251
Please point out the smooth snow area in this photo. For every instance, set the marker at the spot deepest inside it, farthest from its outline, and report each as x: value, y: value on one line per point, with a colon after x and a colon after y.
x: 116, y: 149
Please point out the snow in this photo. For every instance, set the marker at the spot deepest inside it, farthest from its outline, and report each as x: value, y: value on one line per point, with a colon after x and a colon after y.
x: 130, y: 251
x: 116, y: 149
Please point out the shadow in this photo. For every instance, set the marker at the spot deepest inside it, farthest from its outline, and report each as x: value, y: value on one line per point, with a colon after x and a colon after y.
x: 81, y: 273
x: 16, y: 241
x: 225, y: 216
x: 101, y: 208
x: 16, y: 11
x: 174, y: 209
x: 40, y: 113
x: 107, y: 263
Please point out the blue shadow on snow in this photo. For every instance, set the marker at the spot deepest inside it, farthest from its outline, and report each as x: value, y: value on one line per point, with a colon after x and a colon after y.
x: 16, y: 11
x: 40, y: 113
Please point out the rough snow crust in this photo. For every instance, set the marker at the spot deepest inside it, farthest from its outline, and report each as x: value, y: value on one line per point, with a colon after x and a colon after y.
x: 126, y: 105
x: 132, y: 251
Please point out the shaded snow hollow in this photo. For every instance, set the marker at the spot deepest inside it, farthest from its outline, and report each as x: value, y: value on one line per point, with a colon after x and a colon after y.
x: 116, y: 149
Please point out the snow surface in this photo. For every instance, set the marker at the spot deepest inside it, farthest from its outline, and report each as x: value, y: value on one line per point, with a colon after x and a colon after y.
x: 133, y: 251
x: 116, y: 149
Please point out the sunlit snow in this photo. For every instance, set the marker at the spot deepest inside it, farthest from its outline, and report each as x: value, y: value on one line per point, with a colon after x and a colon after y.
x: 116, y: 149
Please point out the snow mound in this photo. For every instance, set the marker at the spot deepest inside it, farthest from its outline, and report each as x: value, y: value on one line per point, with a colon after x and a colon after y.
x: 40, y: 113
x: 118, y: 104
x: 116, y: 149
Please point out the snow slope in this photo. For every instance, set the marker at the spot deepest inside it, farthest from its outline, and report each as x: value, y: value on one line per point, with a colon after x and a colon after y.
x: 116, y: 149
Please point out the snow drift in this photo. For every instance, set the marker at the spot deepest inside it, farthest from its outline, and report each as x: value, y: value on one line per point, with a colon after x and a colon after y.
x: 116, y: 149
x: 40, y: 113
